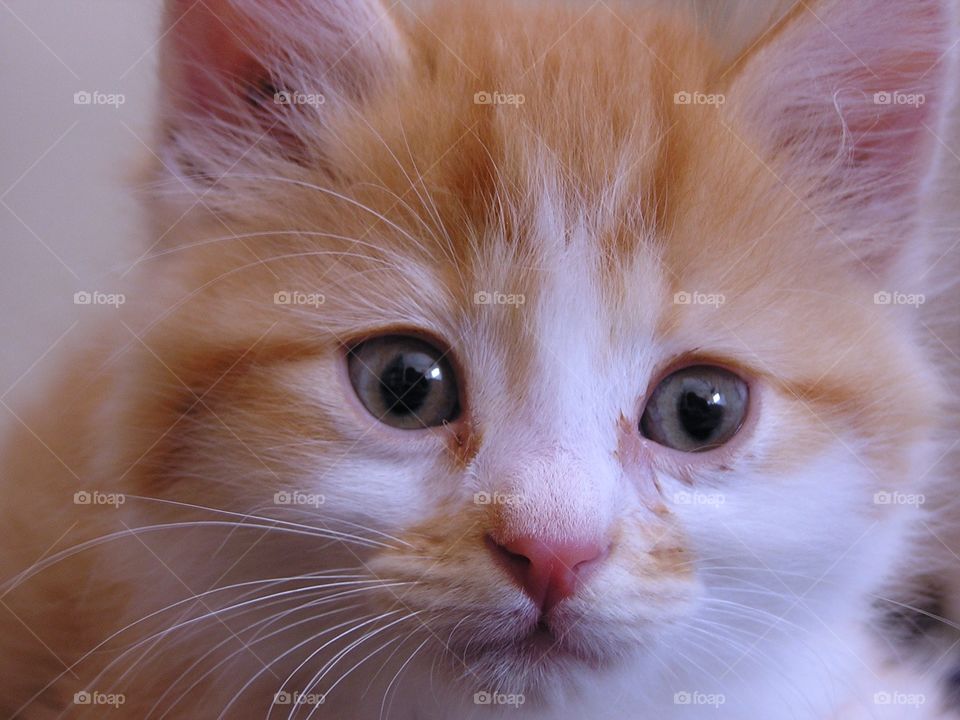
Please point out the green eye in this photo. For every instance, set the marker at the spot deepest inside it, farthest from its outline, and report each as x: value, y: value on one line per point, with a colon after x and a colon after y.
x: 404, y: 382
x: 695, y: 409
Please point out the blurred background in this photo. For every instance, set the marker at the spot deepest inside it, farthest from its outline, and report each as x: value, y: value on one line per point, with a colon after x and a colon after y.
x: 68, y: 216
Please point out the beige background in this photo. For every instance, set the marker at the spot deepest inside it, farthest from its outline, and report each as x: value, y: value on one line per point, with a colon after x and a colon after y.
x: 67, y: 219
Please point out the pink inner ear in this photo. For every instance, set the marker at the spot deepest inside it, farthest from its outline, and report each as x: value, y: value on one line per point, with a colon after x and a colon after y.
x: 214, y: 52
x: 852, y: 90
x: 899, y: 83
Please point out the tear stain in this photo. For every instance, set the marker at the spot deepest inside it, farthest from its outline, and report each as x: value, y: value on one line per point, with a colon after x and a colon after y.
x: 465, y: 443
x: 637, y: 465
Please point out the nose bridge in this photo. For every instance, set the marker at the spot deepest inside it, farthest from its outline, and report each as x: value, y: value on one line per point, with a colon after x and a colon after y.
x: 555, y: 495
x: 550, y: 449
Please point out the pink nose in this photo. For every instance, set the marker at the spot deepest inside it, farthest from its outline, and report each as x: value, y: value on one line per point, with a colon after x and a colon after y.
x: 548, y: 571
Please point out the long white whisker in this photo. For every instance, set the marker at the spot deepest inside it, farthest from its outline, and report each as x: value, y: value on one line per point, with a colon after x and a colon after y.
x: 397, y: 675
x: 281, y: 233
x: 255, y: 602
x: 339, y: 196
x: 296, y: 647
x: 268, y: 666
x: 322, y: 673
x: 127, y: 532
x: 263, y: 621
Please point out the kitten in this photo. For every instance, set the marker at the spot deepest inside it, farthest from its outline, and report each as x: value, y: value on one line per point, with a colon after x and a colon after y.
x: 503, y: 359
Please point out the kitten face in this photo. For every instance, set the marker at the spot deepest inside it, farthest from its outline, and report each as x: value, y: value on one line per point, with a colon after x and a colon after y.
x: 564, y: 255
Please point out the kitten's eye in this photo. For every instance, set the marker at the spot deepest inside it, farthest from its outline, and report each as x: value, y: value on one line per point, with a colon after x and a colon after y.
x: 695, y: 409
x: 404, y: 382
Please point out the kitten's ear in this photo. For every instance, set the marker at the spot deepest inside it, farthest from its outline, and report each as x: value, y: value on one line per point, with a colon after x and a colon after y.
x: 241, y: 76
x: 848, y: 97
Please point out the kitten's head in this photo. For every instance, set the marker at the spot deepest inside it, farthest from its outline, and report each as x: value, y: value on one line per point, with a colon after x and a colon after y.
x: 607, y: 346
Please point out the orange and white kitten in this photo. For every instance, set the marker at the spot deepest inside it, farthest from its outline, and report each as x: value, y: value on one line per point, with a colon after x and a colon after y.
x: 505, y: 358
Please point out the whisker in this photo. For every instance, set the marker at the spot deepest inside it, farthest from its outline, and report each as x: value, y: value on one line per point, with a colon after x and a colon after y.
x: 215, y: 614
x: 195, y: 598
x: 265, y: 622
x: 397, y: 675
x: 322, y: 673
x: 334, y: 194
x: 342, y: 521
x: 290, y: 650
x: 282, y: 233
x: 267, y: 667
x: 321, y: 533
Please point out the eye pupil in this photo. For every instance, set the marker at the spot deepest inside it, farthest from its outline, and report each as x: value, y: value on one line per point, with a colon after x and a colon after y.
x: 404, y: 386
x: 700, y: 416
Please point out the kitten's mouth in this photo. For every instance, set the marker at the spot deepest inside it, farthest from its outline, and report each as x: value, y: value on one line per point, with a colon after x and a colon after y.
x: 542, y: 635
x: 533, y: 664
x: 557, y: 641
x: 536, y: 654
